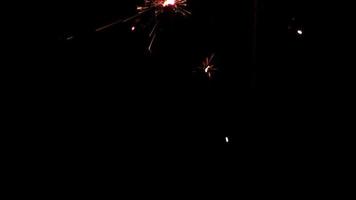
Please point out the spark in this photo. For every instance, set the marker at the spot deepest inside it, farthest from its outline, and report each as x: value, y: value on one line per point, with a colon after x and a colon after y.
x: 151, y: 43
x: 120, y: 21
x: 300, y: 32
x: 152, y: 9
x: 70, y: 38
x: 227, y: 139
x: 153, y: 29
x: 208, y: 67
x: 108, y: 26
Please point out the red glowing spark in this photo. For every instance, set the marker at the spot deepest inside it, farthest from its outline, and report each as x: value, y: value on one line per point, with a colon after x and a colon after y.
x: 169, y: 2
x: 208, y: 67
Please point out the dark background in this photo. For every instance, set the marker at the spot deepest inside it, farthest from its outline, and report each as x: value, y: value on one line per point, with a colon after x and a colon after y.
x: 97, y: 82
x: 246, y: 58
x: 111, y: 111
x: 255, y: 43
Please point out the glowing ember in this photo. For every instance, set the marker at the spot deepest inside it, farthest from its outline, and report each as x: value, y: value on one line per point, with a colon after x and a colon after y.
x: 227, y: 139
x: 169, y: 2
x: 208, y: 68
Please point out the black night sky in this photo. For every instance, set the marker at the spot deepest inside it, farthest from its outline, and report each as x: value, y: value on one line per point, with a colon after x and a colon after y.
x: 168, y: 92
x: 212, y: 58
x: 239, y: 36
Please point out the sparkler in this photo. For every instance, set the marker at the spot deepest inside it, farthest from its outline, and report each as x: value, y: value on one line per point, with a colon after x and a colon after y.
x: 152, y: 8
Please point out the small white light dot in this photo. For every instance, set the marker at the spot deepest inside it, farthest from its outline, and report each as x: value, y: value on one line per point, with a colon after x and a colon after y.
x: 300, y: 32
x: 227, y: 139
x: 207, y: 69
x: 133, y: 28
x: 70, y: 38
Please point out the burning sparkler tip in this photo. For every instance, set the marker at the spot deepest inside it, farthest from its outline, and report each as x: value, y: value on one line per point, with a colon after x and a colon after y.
x: 169, y: 3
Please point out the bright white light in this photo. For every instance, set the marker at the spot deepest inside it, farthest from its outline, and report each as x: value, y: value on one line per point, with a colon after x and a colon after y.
x: 133, y: 28
x: 169, y: 2
x: 300, y: 32
x: 227, y: 139
x: 207, y: 69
